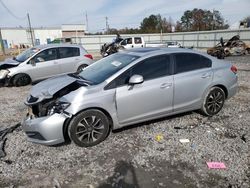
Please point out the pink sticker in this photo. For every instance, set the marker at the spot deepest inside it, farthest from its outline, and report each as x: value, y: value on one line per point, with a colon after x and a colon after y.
x: 217, y: 165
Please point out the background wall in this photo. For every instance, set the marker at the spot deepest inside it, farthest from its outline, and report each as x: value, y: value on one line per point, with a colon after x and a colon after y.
x: 201, y: 39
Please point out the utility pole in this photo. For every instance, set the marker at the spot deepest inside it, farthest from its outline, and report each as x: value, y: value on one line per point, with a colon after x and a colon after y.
x: 107, y: 25
x: 87, y: 24
x: 1, y: 43
x: 213, y: 24
x: 31, y: 34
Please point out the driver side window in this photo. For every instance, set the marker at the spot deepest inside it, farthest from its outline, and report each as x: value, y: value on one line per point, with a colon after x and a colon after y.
x: 46, y: 55
x: 151, y: 68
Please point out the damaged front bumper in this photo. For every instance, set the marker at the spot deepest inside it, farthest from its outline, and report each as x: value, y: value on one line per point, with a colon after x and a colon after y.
x: 5, y: 81
x: 46, y: 130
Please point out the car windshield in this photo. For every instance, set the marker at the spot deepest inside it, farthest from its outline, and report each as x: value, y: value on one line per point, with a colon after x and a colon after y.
x: 106, y: 67
x: 26, y: 54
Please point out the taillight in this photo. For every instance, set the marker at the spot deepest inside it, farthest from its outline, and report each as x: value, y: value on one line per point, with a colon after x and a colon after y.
x: 88, y: 56
x: 234, y: 69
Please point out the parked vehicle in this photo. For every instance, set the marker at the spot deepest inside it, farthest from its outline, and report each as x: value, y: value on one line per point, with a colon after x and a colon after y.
x: 127, y: 43
x: 125, y: 88
x: 111, y: 48
x: 173, y: 44
x: 138, y: 42
x: 41, y: 62
x: 233, y: 46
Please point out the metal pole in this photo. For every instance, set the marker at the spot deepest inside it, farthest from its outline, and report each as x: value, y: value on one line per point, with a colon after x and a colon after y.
x: 107, y: 24
x: 1, y: 43
x: 31, y: 34
x: 87, y: 24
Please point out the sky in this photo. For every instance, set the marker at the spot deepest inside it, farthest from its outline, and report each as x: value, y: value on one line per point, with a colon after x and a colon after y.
x: 120, y: 13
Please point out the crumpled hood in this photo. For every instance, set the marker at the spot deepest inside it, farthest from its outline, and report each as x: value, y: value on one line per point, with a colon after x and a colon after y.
x: 9, y: 61
x: 46, y: 89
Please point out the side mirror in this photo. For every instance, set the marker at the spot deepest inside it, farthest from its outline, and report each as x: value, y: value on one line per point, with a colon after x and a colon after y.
x: 135, y: 79
x: 32, y: 62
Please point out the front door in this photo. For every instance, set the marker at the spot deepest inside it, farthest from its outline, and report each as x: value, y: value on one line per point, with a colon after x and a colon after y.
x: 46, y: 65
x: 152, y: 98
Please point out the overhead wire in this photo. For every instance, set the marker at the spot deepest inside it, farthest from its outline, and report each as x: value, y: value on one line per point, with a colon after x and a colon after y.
x: 10, y: 12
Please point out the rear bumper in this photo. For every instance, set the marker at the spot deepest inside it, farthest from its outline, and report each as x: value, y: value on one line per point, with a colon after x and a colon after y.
x: 45, y: 130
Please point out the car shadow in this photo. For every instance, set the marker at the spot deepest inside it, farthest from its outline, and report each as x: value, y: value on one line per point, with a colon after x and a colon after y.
x: 124, y: 176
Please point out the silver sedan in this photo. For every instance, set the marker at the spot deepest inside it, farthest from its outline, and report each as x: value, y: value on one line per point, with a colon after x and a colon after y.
x: 126, y: 88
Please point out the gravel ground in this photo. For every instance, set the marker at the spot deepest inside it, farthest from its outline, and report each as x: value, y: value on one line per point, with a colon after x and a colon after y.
x: 132, y: 157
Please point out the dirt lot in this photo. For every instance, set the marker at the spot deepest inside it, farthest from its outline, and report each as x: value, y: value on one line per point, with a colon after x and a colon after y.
x: 132, y: 157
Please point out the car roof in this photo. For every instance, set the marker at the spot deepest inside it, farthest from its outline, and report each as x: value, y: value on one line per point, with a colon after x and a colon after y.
x: 44, y: 46
x: 157, y: 51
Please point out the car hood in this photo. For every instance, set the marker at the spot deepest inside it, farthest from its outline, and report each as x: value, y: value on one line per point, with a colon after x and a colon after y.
x: 48, y: 88
x: 9, y: 61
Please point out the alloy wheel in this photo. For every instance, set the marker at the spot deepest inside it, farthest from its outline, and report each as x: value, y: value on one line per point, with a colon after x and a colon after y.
x: 215, y: 101
x: 90, y: 129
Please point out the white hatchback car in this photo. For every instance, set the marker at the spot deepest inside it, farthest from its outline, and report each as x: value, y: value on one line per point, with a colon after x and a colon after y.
x: 41, y: 62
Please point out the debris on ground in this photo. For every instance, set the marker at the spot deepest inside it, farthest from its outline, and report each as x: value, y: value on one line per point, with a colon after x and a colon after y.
x: 184, y: 140
x: 216, y: 165
x: 3, y: 138
x: 159, y: 138
x: 233, y: 46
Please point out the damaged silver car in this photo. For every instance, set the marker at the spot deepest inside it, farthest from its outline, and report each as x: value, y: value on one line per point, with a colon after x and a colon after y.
x: 125, y: 88
x: 44, y: 61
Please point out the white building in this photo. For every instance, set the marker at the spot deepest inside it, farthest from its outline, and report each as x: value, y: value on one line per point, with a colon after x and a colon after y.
x: 13, y: 37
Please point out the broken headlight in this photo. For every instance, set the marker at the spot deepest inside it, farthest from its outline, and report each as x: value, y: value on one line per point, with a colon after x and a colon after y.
x: 58, y: 107
x: 3, y: 73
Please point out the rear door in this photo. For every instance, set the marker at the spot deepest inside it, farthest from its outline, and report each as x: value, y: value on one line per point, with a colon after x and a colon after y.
x: 147, y: 100
x: 45, y: 66
x: 69, y: 57
x: 193, y: 75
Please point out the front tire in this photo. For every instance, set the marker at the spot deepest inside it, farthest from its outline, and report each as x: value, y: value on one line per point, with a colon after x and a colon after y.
x: 21, y: 80
x: 213, y: 102
x: 89, y: 128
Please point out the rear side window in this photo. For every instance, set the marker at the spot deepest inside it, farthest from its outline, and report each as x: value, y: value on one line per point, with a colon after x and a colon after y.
x: 138, y: 40
x: 185, y: 62
x: 65, y: 52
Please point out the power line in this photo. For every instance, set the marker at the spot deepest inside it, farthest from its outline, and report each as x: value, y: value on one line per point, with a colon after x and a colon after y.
x: 10, y: 12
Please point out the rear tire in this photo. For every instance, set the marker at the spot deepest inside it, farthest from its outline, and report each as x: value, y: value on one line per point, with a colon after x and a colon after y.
x: 213, y: 102
x: 89, y: 128
x: 21, y: 80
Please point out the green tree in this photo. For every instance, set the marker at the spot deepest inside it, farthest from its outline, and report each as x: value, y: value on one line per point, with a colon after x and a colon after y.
x: 200, y: 20
x: 150, y: 24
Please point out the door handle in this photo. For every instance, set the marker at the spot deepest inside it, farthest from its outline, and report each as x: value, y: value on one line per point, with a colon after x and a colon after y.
x: 206, y: 75
x: 55, y: 62
x: 166, y: 85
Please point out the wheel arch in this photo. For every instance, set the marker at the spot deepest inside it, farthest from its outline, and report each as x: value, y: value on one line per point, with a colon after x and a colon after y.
x: 12, y: 77
x: 67, y: 122
x: 223, y: 88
